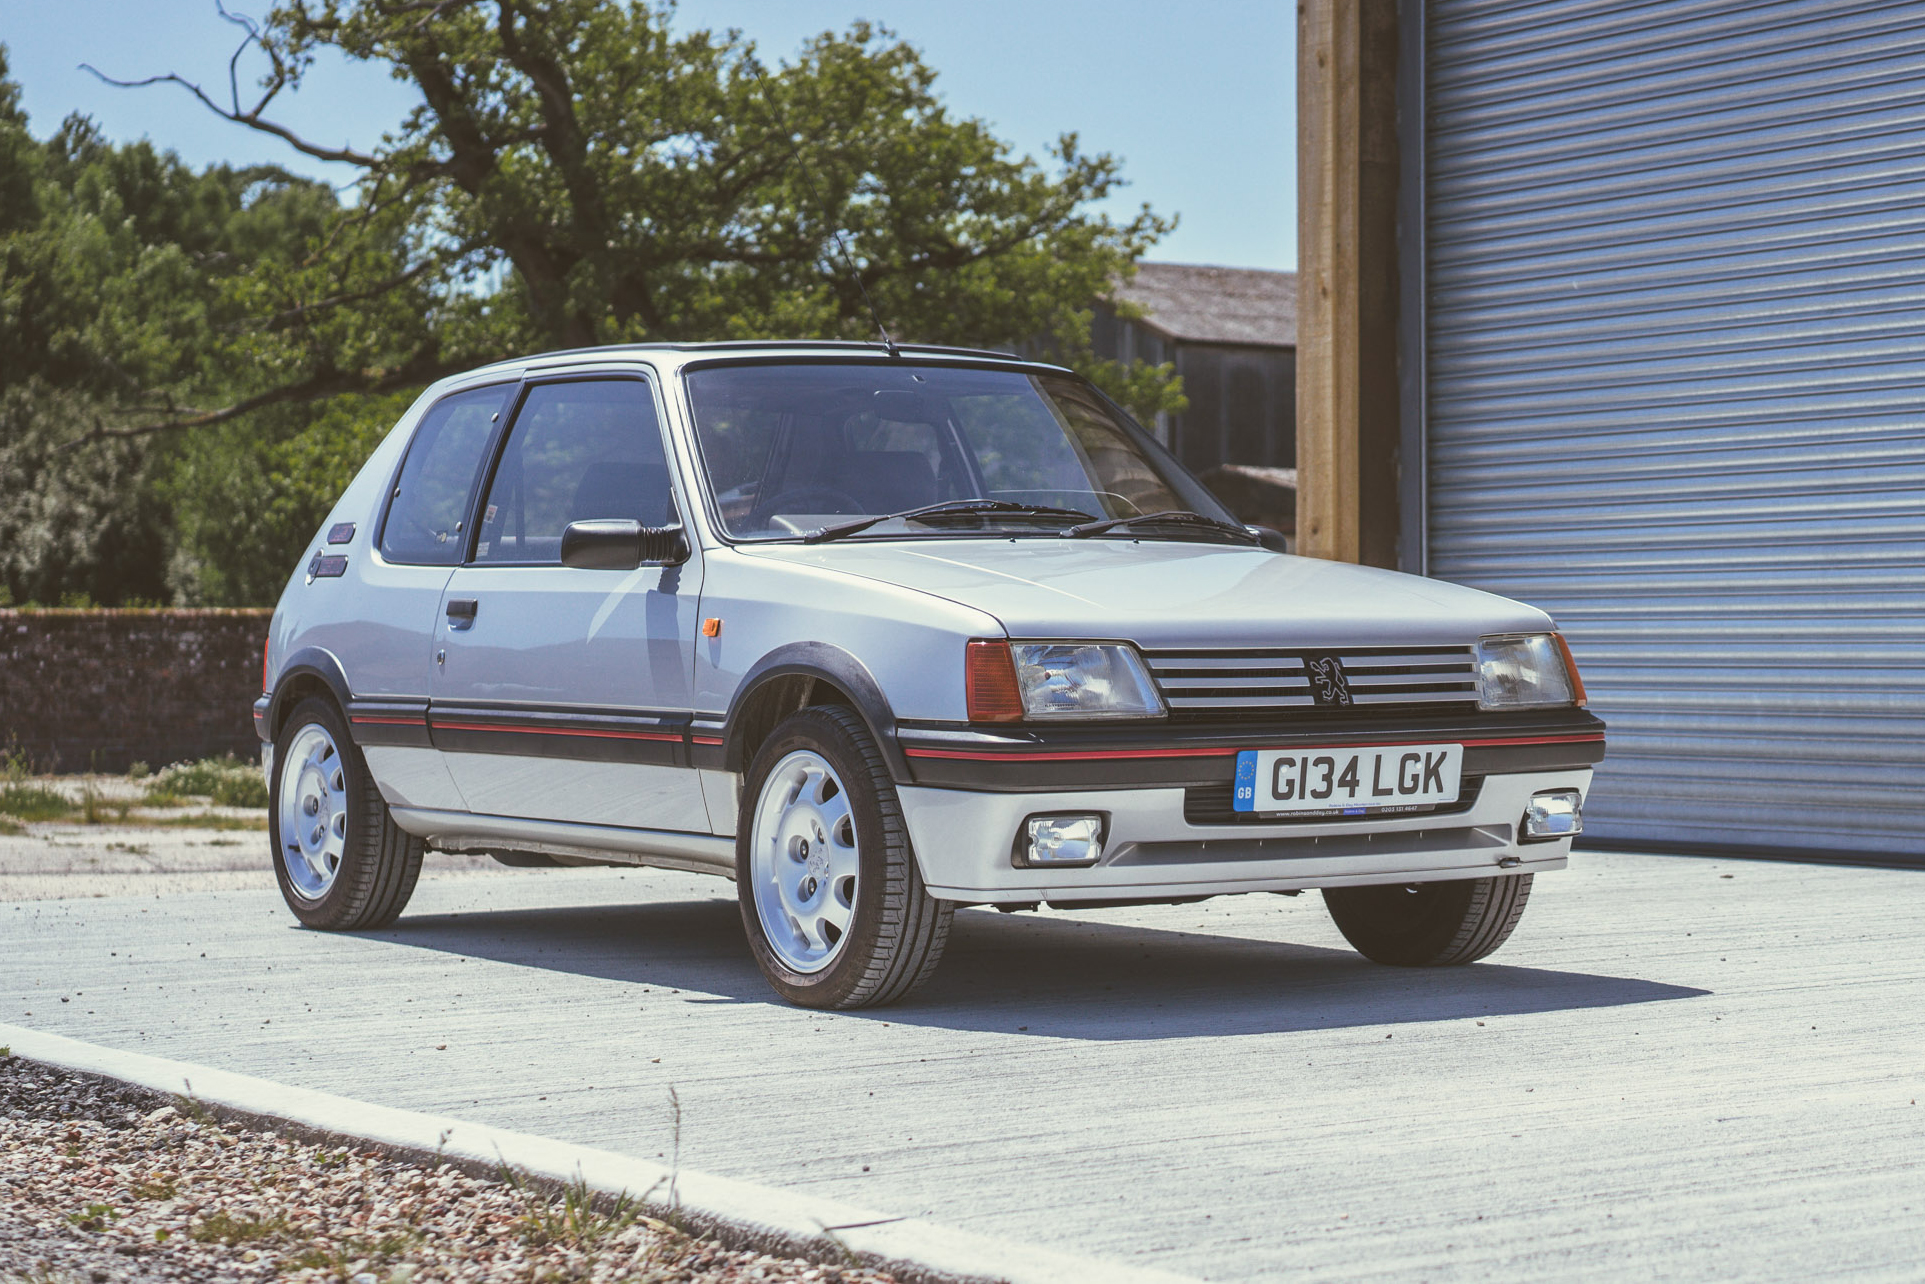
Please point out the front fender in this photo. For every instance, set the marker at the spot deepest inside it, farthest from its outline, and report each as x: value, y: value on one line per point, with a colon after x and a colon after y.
x: 830, y: 664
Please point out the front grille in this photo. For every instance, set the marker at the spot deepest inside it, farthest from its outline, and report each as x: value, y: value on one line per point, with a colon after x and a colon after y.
x: 1259, y: 681
x: 1213, y: 805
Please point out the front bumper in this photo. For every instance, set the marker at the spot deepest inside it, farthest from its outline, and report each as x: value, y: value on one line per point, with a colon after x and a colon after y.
x: 964, y: 839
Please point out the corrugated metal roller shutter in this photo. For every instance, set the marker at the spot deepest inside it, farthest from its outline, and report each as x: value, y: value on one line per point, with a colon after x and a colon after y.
x: 1676, y: 390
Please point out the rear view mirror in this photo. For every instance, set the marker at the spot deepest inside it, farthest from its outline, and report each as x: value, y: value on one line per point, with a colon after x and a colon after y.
x: 612, y: 544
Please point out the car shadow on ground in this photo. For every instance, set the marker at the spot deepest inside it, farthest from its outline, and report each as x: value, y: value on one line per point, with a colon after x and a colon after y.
x: 1045, y: 977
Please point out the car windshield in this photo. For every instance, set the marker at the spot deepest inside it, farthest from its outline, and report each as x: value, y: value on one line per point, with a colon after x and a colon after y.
x: 794, y: 449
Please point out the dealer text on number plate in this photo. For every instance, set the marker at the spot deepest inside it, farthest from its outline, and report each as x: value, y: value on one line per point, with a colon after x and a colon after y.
x: 1350, y: 781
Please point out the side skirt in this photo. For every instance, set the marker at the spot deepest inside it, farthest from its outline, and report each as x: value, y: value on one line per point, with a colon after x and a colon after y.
x: 458, y: 831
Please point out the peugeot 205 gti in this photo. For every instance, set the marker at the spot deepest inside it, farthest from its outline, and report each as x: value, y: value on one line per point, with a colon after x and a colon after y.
x: 879, y: 633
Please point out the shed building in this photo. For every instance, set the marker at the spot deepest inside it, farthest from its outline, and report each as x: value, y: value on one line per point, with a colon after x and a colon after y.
x: 1232, y: 335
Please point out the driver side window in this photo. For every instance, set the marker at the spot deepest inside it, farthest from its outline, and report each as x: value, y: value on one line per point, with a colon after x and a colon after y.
x: 577, y: 451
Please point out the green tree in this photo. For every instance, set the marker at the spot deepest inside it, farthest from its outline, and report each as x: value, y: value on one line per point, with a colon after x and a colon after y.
x: 120, y: 270
x: 193, y: 363
x: 622, y: 183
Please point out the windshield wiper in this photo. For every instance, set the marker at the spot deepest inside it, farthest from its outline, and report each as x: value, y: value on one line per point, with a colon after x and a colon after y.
x: 1171, y: 517
x: 948, y: 508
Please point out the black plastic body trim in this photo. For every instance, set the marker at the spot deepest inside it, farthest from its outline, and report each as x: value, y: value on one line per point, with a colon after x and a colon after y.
x: 1189, y: 755
x: 585, y: 735
x: 389, y: 722
x: 832, y: 664
x: 308, y: 661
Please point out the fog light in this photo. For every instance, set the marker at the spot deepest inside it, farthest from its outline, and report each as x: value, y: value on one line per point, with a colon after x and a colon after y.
x: 1062, y: 840
x: 1557, y: 814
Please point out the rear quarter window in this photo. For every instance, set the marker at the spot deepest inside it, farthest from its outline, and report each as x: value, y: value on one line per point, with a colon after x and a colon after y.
x: 431, y: 499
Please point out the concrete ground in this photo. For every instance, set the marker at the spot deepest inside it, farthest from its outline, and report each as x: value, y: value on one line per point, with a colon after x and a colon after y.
x: 148, y: 850
x: 1677, y: 1068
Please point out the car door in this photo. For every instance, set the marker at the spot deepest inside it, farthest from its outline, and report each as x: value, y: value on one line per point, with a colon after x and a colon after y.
x: 563, y: 693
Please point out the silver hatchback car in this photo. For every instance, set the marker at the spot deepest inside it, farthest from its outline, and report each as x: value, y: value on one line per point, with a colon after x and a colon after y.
x: 877, y: 634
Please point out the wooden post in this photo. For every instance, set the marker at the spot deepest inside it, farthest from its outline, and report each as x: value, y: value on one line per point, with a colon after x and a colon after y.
x: 1347, y: 280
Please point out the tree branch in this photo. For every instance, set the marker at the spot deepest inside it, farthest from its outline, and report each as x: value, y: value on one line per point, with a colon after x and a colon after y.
x: 252, y: 116
x: 421, y: 369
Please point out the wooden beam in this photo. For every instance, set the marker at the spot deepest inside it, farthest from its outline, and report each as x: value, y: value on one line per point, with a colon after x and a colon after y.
x: 1347, y: 280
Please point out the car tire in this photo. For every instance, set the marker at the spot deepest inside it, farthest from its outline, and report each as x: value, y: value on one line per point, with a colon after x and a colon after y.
x: 833, y: 902
x: 342, y: 863
x: 1430, y: 924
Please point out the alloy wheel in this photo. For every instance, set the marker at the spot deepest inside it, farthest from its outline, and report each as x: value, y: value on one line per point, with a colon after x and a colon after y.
x: 804, y: 861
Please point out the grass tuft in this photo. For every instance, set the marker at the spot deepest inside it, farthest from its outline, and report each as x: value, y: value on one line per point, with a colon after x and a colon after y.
x: 574, y: 1216
x: 156, y: 1188
x: 226, y: 782
x: 335, y: 1256
x: 203, y: 820
x: 223, y: 1227
x: 26, y: 801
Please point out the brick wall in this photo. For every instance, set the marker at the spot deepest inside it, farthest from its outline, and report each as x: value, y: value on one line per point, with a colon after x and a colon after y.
x: 100, y: 690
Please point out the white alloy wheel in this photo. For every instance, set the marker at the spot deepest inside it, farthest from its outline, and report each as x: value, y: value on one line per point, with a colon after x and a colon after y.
x: 804, y: 862
x: 313, y: 811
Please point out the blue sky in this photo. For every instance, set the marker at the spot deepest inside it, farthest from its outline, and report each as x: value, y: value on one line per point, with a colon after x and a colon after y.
x: 1197, y: 99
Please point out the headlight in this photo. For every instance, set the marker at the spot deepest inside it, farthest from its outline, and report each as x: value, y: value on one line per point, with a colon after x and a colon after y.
x: 1084, y: 680
x: 1523, y: 671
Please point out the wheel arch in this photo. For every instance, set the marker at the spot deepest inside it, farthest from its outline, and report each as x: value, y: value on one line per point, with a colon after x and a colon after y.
x: 309, y: 671
x: 794, y: 677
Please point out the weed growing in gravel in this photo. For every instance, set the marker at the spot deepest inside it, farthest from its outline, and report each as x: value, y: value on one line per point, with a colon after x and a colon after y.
x: 226, y: 782
x: 39, y: 1275
x: 11, y: 828
x: 155, y: 1188
x: 94, y: 1217
x: 26, y: 801
x: 571, y: 1217
x: 223, y: 1227
x: 335, y: 1257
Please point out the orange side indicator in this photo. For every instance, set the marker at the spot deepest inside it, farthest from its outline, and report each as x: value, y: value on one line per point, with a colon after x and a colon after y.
x: 1570, y: 667
x: 712, y: 627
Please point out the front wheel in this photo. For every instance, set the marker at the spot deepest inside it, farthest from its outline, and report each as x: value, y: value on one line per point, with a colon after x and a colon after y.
x: 342, y: 862
x: 1430, y: 924
x: 833, y: 903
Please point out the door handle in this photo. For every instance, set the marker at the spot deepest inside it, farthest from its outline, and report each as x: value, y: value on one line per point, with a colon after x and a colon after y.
x: 461, y: 611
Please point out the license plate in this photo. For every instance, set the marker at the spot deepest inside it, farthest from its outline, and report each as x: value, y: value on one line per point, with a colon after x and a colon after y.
x: 1353, y: 781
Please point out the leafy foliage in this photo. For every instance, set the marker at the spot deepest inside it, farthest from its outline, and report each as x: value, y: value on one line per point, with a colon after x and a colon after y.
x: 228, y: 344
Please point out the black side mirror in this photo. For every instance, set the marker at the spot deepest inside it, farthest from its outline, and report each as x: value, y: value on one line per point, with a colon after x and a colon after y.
x: 1274, y: 540
x: 612, y: 544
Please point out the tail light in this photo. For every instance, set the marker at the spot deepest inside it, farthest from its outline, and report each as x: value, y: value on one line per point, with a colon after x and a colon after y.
x: 989, y: 675
x: 265, y: 642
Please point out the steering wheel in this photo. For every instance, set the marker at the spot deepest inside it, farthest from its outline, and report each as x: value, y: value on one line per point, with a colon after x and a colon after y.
x: 839, y: 501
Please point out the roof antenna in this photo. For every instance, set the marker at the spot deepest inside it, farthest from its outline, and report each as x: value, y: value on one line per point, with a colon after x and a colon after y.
x: 836, y: 231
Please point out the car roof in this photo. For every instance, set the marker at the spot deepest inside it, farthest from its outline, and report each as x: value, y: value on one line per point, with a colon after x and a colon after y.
x: 678, y: 354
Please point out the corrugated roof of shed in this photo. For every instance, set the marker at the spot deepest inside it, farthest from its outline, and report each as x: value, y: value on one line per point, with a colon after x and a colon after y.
x: 1199, y: 304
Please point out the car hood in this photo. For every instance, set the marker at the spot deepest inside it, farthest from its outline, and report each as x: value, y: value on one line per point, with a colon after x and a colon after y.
x: 1168, y: 593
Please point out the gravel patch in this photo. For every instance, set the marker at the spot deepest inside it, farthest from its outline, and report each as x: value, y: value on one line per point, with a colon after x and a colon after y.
x: 103, y: 1183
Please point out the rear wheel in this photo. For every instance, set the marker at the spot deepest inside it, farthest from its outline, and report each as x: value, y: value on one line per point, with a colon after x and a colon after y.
x: 833, y: 903
x: 342, y: 862
x: 1430, y: 924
